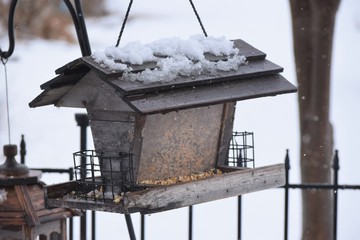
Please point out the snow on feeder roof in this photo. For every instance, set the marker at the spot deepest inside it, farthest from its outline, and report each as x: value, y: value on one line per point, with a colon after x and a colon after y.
x: 169, y: 58
x: 164, y: 110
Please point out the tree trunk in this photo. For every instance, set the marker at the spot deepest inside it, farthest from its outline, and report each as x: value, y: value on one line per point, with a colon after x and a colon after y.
x: 313, y: 27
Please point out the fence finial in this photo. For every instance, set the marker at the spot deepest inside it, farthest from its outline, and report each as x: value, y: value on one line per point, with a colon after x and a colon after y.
x: 287, y: 160
x: 336, y: 165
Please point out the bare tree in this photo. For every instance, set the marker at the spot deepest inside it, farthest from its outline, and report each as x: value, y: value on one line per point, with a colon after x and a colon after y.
x: 313, y: 27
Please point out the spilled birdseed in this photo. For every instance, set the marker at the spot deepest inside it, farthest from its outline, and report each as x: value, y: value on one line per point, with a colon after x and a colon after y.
x: 182, y: 178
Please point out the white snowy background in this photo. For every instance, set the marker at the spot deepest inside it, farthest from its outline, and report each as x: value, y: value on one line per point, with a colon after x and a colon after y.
x: 52, y: 135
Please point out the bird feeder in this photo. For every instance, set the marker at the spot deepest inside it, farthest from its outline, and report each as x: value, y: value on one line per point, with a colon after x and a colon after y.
x: 23, y: 213
x: 145, y: 133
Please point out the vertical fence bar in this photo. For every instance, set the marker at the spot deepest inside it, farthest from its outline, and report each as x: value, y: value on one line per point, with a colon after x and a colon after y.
x: 130, y: 226
x: 336, y: 168
x: 286, y: 211
x: 142, y: 226
x: 190, y: 222
x: 93, y: 222
x: 71, y: 221
x: 82, y: 121
x: 239, y: 218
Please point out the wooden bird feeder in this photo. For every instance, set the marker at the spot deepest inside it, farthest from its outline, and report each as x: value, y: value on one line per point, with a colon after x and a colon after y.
x: 151, y: 132
x: 22, y: 210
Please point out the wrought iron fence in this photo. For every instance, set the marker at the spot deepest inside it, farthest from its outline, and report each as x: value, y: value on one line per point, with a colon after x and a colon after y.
x: 334, y: 187
x: 240, y: 150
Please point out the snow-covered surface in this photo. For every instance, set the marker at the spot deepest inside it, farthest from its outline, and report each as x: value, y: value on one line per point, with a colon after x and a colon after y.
x: 52, y: 135
x: 173, y: 57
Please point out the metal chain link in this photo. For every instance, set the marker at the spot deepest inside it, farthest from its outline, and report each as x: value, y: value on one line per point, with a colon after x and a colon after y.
x: 124, y: 22
x: 127, y: 15
x: 198, y: 17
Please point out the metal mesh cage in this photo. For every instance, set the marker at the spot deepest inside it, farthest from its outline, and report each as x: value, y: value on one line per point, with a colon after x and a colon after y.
x: 101, y: 177
x: 241, y: 150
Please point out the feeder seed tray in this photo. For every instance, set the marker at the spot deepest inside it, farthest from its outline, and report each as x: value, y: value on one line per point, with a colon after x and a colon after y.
x: 152, y: 199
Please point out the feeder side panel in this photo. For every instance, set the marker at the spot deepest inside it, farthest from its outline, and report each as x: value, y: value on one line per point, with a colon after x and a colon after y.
x: 140, y: 121
x: 112, y: 137
x: 113, y: 132
x: 180, y: 143
x: 226, y: 132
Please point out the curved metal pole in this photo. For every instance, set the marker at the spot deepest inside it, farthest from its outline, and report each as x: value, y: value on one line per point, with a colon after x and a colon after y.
x: 7, y: 54
x: 79, y: 23
x: 78, y: 20
x: 82, y: 28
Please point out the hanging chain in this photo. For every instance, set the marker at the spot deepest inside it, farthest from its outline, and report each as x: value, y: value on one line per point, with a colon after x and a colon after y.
x: 124, y: 22
x: 4, y: 61
x: 127, y: 15
x: 198, y: 17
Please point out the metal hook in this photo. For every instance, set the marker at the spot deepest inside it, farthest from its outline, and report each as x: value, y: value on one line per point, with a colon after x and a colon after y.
x: 80, y: 27
x: 7, y: 54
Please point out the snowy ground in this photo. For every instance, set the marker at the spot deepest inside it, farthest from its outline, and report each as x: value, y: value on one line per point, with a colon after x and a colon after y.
x: 52, y: 135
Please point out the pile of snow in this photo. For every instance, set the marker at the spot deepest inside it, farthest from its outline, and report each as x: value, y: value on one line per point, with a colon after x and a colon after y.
x: 173, y: 57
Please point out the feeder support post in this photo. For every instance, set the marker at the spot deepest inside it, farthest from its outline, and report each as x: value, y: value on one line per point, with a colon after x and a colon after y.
x: 82, y: 121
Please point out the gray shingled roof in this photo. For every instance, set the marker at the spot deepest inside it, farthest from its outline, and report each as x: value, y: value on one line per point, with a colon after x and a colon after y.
x: 258, y: 78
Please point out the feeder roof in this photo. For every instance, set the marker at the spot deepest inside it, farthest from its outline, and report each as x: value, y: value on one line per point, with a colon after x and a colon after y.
x: 258, y: 78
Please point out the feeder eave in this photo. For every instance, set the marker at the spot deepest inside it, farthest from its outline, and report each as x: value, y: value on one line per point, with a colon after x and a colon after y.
x: 57, y: 87
x: 229, y: 91
x: 50, y: 96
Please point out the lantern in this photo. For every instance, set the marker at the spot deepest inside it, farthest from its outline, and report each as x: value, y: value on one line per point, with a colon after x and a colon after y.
x: 23, y: 213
